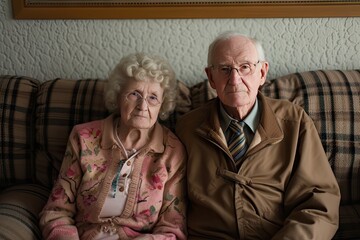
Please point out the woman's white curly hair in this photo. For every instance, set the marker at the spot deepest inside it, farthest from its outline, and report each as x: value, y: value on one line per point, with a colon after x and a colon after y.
x: 141, y: 67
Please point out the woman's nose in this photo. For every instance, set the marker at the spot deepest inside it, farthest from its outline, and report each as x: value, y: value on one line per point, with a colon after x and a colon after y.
x: 143, y: 104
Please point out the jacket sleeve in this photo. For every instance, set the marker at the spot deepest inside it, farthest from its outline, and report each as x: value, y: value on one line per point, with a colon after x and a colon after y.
x: 171, y: 223
x: 57, y: 217
x: 312, y: 196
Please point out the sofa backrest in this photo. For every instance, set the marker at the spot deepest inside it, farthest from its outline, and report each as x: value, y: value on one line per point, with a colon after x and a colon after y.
x: 36, y: 119
x: 17, y: 123
x: 332, y: 100
x: 61, y: 104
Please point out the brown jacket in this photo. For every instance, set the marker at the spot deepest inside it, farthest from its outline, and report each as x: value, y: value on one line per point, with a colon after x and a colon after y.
x: 285, y: 188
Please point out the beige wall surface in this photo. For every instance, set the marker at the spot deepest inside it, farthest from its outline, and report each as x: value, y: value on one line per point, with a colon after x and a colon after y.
x: 47, y: 49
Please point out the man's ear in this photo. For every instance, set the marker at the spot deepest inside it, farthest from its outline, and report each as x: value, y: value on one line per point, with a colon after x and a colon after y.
x: 264, y: 70
x: 209, y: 76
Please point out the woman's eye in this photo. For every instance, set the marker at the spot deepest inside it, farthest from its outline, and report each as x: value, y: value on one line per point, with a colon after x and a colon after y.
x: 134, y: 96
x: 153, y: 98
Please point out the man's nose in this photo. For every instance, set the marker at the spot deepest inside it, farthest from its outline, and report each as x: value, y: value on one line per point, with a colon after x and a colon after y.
x: 234, y: 76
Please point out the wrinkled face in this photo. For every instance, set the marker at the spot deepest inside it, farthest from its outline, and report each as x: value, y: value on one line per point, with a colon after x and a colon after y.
x: 139, y: 103
x: 233, y: 89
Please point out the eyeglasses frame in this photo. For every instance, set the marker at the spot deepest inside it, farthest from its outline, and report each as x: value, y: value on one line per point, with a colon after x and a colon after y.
x: 252, y: 70
x: 141, y: 98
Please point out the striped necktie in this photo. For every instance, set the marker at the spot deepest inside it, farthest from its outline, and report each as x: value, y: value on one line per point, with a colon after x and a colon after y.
x: 237, y: 141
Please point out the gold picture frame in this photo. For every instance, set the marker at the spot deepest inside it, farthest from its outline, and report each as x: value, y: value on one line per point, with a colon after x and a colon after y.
x: 177, y: 9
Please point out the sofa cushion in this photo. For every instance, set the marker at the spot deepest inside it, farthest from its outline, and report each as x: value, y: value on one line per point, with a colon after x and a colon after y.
x: 331, y: 98
x: 17, y: 122
x: 19, y: 211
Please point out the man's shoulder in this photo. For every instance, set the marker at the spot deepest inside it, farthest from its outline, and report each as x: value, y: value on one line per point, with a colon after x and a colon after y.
x: 197, y: 116
x: 287, y: 110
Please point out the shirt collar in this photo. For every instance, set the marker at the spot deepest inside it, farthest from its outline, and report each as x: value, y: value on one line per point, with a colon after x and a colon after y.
x: 251, y: 120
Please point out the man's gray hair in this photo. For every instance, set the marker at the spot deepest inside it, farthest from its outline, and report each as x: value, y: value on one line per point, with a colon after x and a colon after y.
x: 229, y: 34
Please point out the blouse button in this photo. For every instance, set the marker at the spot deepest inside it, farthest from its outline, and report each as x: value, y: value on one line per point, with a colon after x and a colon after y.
x: 124, y: 175
x: 121, y: 189
x: 128, y: 163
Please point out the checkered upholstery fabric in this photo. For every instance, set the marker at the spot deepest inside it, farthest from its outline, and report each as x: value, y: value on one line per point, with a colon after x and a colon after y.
x: 61, y: 104
x: 332, y: 100
x: 17, y: 116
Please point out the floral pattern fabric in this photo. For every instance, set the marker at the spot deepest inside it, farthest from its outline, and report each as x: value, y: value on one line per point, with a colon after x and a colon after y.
x: 155, y: 207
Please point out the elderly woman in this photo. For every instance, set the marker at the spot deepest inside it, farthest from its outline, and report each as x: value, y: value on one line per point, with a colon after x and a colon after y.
x: 123, y: 177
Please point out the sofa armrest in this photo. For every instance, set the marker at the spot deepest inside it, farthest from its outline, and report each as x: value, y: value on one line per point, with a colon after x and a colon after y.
x: 19, y: 210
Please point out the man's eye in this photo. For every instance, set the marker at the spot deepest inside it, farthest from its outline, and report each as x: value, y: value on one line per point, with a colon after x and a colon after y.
x: 225, y: 69
x: 245, y: 66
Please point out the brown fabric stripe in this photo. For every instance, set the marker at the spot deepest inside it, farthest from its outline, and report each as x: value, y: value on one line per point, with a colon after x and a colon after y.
x: 49, y: 158
x: 331, y: 135
x: 351, y: 137
x: 4, y: 93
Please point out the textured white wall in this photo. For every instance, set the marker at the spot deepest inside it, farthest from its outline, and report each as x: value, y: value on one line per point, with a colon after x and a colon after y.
x: 46, y: 49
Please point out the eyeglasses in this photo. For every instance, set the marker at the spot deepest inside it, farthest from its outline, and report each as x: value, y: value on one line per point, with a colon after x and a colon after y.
x: 136, y: 97
x: 243, y: 70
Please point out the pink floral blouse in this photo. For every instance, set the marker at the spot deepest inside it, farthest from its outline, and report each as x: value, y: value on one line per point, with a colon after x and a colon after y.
x: 155, y: 206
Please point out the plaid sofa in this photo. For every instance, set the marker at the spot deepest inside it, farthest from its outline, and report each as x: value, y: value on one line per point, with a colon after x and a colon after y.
x: 37, y: 117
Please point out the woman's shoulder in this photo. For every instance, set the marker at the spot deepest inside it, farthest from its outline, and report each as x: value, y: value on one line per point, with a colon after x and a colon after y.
x: 99, y: 123
x: 171, y: 139
x: 91, y: 124
x: 90, y: 129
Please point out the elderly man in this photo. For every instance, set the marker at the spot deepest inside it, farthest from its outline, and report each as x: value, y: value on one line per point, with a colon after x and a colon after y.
x: 256, y: 168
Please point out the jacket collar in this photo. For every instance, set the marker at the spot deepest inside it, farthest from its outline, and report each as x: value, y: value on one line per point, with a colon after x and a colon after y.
x: 267, y: 132
x: 268, y: 121
x: 107, y: 141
